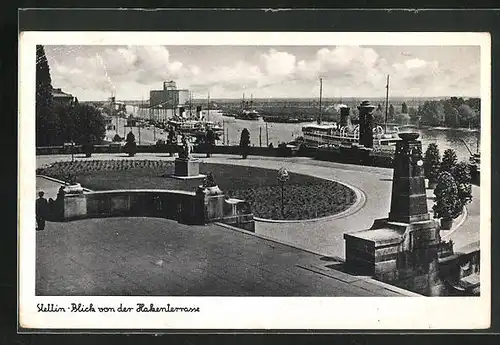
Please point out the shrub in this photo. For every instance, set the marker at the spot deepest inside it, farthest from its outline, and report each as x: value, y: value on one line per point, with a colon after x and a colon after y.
x: 130, y: 146
x: 117, y: 138
x: 447, y: 204
x: 449, y: 161
x: 432, y: 162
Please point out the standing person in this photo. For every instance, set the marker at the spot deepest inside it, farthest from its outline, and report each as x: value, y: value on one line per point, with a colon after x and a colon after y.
x: 244, y: 142
x: 210, y: 141
x: 41, y: 211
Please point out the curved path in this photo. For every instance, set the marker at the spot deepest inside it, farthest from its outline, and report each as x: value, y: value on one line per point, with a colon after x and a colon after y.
x: 323, y: 236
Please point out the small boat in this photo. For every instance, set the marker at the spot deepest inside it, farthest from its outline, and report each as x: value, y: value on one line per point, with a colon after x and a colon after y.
x: 467, y: 286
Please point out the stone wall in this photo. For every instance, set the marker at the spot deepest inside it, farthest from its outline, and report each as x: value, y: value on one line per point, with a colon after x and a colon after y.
x: 183, y: 206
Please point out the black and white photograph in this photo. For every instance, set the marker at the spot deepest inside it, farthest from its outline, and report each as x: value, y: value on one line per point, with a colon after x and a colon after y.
x: 254, y: 180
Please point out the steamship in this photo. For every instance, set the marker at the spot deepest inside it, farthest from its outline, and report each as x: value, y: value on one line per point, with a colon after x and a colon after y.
x: 195, y: 126
x: 248, y: 115
x: 335, y: 137
x: 346, y: 135
x: 247, y: 112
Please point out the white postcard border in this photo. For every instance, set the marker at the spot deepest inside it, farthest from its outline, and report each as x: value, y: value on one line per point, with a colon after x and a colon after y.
x: 246, y: 312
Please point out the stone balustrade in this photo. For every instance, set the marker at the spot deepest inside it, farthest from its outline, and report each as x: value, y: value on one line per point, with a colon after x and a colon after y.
x: 200, y: 207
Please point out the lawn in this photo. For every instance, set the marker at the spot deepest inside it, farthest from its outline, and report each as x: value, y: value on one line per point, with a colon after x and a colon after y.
x: 305, y: 197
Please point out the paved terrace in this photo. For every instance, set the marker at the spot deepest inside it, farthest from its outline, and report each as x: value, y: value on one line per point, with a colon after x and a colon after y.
x: 152, y: 256
x: 324, y: 236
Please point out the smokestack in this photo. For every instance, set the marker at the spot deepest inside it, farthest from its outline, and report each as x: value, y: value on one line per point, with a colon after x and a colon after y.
x: 198, y: 112
x: 366, y: 124
x: 344, y: 116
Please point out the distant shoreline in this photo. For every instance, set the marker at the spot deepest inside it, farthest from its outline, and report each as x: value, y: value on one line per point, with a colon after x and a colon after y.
x: 440, y: 128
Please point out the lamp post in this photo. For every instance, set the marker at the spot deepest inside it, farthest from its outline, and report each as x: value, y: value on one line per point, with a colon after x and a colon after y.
x: 282, y: 178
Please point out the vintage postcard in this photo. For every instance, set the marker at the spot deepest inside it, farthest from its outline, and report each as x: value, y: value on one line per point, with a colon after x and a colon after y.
x: 244, y: 180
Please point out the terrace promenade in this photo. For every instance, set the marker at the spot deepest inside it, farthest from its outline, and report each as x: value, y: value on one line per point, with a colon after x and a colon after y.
x: 323, y: 236
x: 159, y: 257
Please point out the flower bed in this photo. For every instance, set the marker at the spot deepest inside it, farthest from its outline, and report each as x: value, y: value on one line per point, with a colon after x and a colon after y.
x: 305, y: 197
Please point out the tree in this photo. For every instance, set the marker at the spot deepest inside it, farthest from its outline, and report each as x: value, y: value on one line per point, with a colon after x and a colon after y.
x: 431, y: 113
x: 210, y: 141
x: 432, y: 159
x: 402, y: 118
x: 244, y: 142
x: 414, y: 115
x: 172, y: 136
x: 46, y: 123
x: 89, y: 124
x: 378, y: 117
x: 456, y: 102
x: 447, y: 204
x: 392, y: 112
x: 404, y: 108
x: 450, y: 114
x: 466, y: 116
x: 449, y: 161
x: 474, y: 103
x: 462, y: 177
x: 171, y: 139
x: 130, y: 145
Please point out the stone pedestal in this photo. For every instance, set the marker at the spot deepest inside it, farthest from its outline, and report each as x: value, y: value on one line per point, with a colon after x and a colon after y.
x: 75, y: 206
x: 186, y: 168
x: 213, y: 199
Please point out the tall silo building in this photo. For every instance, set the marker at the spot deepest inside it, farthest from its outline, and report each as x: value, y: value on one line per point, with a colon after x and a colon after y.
x: 170, y: 99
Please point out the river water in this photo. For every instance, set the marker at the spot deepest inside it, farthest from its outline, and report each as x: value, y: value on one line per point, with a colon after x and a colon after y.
x: 285, y: 132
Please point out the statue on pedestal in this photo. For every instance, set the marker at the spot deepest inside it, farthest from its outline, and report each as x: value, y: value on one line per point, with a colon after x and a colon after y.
x: 186, y: 149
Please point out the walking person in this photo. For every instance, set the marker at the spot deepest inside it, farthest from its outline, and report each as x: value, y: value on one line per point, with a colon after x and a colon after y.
x: 41, y: 211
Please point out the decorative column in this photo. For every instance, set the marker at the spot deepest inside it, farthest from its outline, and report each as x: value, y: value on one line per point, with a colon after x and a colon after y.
x: 409, y: 199
x: 366, y: 124
x: 344, y: 116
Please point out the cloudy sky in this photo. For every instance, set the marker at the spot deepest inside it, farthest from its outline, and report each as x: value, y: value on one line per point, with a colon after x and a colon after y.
x: 94, y: 72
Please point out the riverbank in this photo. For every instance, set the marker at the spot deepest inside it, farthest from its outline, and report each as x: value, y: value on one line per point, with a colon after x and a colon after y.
x: 438, y: 128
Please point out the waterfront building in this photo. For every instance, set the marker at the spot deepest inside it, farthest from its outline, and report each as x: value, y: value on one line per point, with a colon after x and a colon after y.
x: 61, y: 96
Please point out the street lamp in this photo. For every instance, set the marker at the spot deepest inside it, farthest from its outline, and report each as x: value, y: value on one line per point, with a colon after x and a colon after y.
x: 282, y: 178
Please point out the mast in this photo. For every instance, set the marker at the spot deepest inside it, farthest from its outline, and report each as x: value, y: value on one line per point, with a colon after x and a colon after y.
x: 208, y: 107
x: 320, y: 96
x: 190, y: 104
x: 251, y: 101
x: 386, y: 102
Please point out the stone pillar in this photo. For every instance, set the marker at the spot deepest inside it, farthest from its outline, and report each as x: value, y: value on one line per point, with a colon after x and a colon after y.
x: 366, y: 124
x: 187, y: 167
x: 403, y: 248
x: 409, y: 199
x: 344, y: 116
x: 213, y: 201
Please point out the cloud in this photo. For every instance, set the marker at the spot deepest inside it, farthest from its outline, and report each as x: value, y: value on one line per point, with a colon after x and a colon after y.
x: 132, y: 71
x: 109, y: 68
x: 278, y: 63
